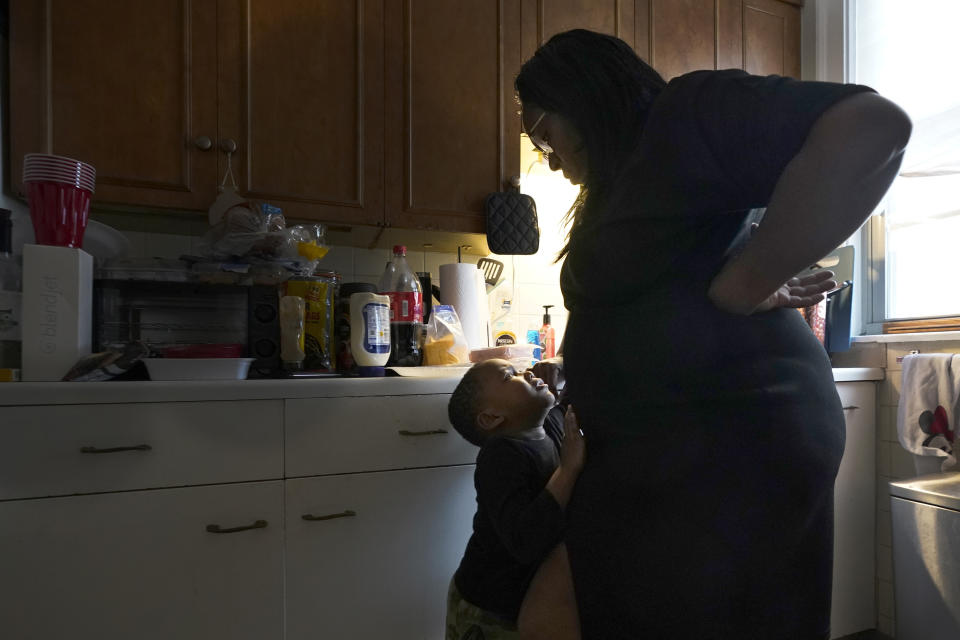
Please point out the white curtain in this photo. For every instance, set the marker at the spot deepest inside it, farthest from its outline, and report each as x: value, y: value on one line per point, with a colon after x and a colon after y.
x: 909, y: 51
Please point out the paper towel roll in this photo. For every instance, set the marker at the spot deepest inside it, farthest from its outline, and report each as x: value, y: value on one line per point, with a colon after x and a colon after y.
x: 462, y: 286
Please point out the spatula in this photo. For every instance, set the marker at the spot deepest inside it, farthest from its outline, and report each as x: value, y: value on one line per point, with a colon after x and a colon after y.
x: 491, y: 270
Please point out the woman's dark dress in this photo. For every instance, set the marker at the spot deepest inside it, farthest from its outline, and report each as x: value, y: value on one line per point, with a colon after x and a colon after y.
x: 706, y: 506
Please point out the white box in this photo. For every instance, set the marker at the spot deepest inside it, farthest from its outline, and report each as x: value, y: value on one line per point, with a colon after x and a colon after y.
x: 57, y: 310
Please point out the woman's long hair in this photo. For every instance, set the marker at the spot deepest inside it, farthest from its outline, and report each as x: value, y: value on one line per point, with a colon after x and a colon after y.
x: 605, y: 90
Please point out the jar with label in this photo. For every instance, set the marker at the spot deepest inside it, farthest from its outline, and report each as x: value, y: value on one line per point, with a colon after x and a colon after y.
x: 318, y: 292
x: 370, y: 332
x: 346, y: 363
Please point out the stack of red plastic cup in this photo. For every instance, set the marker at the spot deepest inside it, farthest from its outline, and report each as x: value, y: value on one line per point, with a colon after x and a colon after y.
x: 58, y: 191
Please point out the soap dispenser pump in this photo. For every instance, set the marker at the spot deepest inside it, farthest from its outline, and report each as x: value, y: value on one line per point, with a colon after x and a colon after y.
x: 546, y: 334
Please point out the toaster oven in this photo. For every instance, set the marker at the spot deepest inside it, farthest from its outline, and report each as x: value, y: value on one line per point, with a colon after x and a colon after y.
x: 170, y: 314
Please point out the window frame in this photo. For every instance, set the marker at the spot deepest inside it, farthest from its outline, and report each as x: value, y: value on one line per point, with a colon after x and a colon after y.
x: 869, y: 313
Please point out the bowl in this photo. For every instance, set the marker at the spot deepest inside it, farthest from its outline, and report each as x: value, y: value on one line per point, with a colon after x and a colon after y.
x: 198, y: 368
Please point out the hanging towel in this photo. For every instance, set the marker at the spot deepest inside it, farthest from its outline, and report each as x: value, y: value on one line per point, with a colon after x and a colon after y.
x: 928, y: 410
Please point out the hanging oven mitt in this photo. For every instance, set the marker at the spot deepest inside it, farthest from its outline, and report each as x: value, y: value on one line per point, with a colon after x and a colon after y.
x: 512, y: 227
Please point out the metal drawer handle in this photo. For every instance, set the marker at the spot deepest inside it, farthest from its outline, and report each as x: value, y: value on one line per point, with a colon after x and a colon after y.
x: 215, y: 528
x: 850, y: 407
x: 431, y: 432
x: 345, y: 514
x: 138, y: 447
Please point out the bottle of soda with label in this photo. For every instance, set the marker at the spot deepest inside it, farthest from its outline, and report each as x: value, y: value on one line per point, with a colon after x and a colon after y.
x: 401, y: 284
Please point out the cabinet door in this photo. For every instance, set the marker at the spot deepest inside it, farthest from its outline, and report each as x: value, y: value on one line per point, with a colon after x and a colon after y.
x: 142, y: 565
x: 126, y: 86
x: 301, y: 92
x: 854, y: 555
x: 759, y: 36
x: 377, y: 560
x: 452, y: 121
x: 545, y: 18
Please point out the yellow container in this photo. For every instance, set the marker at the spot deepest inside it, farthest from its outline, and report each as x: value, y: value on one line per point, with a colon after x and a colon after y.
x: 319, y: 292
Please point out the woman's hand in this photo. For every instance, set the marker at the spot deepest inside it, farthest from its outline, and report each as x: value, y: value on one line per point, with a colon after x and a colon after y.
x: 800, y: 292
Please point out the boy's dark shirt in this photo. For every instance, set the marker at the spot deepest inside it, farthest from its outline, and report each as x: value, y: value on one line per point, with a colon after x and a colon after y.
x: 517, y: 520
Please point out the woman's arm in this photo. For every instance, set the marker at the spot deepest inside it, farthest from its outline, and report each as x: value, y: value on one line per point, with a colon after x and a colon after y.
x: 843, y: 169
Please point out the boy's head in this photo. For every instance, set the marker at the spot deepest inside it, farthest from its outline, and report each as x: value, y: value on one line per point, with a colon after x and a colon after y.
x: 493, y: 398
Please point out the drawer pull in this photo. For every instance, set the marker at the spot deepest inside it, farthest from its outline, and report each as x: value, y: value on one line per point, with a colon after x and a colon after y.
x: 345, y: 514
x: 215, y: 528
x: 431, y: 432
x: 850, y: 407
x: 139, y: 447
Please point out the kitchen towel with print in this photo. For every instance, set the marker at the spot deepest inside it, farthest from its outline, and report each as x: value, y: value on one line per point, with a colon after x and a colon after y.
x: 928, y: 408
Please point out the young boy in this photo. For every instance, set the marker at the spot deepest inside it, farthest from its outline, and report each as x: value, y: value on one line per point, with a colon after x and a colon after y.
x: 524, y: 480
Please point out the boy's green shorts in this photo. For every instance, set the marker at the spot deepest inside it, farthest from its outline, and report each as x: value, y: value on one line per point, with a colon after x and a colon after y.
x: 468, y: 622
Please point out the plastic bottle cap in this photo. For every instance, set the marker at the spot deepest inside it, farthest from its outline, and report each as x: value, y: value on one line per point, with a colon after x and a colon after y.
x: 546, y: 313
x: 347, y: 289
x: 399, y: 248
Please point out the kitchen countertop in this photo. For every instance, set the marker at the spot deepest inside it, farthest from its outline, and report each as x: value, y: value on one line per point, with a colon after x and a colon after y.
x: 45, y: 393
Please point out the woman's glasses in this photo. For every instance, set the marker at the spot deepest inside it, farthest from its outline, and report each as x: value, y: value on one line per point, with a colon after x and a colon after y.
x: 539, y: 143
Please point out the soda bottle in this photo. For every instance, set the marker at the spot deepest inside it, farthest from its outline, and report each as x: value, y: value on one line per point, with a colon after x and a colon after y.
x: 402, y: 286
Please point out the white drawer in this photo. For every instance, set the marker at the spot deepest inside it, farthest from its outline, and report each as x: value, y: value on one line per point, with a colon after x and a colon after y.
x: 69, y: 449
x: 342, y: 435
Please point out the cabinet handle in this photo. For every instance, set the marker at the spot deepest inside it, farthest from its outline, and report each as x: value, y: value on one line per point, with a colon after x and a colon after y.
x: 850, y: 407
x: 138, y: 447
x: 228, y: 145
x: 204, y: 143
x: 331, y: 516
x: 431, y: 432
x: 215, y: 528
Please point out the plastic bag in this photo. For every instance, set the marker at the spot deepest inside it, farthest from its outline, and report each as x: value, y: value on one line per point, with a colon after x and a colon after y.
x: 445, y: 343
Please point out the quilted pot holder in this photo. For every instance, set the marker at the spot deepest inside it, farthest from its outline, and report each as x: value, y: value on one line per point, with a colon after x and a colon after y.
x: 512, y: 227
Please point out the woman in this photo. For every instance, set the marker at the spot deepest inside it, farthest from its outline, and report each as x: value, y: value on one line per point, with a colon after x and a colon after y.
x: 705, y: 509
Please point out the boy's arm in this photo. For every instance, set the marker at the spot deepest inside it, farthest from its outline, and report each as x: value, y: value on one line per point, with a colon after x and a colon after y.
x: 528, y: 522
x: 527, y: 519
x: 572, y: 455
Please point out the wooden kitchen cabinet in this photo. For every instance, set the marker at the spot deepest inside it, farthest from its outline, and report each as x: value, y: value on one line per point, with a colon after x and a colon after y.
x: 148, y: 92
x: 142, y: 565
x: 130, y: 87
x: 760, y: 36
x: 678, y: 36
x: 452, y: 127
x: 543, y: 19
x: 298, y: 87
x: 377, y: 554
x: 376, y: 113
x: 301, y: 90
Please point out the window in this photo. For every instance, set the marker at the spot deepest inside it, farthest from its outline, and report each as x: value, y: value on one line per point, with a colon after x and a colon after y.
x: 910, y: 53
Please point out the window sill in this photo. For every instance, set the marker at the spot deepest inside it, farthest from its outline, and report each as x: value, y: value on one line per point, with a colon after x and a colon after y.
x: 926, y: 336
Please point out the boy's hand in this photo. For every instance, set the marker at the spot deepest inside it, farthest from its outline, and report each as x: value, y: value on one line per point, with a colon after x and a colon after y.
x: 551, y: 372
x: 574, y: 449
